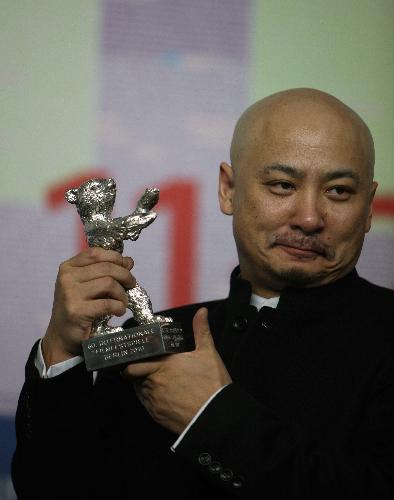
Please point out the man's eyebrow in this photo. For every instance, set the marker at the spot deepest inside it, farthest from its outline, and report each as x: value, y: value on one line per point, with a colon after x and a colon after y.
x: 341, y: 173
x: 286, y: 169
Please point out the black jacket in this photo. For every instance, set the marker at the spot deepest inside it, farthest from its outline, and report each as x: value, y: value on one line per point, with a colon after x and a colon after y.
x: 310, y: 413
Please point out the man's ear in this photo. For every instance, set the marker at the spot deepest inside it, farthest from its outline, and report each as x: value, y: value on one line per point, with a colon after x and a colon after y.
x: 226, y: 188
x: 369, y: 218
x: 71, y: 195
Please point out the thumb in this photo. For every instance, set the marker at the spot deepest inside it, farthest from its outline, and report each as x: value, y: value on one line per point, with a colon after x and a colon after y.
x: 202, y: 333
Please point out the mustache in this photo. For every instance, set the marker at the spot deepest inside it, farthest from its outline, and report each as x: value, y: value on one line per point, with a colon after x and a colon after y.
x: 303, y: 242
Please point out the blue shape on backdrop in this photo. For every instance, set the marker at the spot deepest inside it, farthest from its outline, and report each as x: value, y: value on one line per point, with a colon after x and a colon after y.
x: 7, y: 443
x: 173, y: 58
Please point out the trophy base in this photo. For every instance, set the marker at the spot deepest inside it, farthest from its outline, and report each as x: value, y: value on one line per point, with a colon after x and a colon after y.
x: 133, y: 344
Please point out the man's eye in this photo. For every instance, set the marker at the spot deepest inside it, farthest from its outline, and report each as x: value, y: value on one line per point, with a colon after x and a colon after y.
x: 340, y: 192
x: 285, y: 185
x: 281, y: 187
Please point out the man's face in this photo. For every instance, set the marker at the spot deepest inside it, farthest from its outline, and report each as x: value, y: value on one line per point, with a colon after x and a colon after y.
x: 301, y: 202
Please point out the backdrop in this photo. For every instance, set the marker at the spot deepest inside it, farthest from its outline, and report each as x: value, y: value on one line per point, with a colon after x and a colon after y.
x: 148, y: 92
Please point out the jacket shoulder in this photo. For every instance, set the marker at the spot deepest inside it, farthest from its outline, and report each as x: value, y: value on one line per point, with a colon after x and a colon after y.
x: 373, y: 309
x: 378, y: 296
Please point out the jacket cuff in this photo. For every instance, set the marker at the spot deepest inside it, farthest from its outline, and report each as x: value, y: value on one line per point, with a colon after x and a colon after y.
x: 42, y: 399
x: 217, y: 442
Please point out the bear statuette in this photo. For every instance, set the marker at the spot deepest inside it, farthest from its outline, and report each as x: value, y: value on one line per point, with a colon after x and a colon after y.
x: 156, y: 335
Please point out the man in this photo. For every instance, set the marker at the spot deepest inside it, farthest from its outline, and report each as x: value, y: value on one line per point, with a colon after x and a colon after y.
x: 290, y: 390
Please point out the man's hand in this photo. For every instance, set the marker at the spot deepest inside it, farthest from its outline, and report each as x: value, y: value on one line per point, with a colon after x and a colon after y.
x: 173, y: 388
x: 88, y: 286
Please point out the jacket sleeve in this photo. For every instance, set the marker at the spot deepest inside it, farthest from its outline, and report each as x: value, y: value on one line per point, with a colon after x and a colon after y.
x: 242, y: 447
x: 53, y: 427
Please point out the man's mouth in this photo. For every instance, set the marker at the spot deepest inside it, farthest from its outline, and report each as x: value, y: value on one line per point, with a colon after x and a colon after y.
x: 300, y: 252
x: 303, y: 248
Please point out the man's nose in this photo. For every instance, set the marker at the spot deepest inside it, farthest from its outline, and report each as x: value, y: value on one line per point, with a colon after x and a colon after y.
x: 308, y: 214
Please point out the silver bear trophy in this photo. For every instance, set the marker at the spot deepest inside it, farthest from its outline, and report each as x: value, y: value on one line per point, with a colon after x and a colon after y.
x: 95, y: 200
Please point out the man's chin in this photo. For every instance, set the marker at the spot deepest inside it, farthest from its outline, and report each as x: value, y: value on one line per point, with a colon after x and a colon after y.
x: 297, y: 278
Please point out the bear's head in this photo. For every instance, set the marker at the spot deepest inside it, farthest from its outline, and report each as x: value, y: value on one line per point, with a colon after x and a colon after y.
x: 95, y: 197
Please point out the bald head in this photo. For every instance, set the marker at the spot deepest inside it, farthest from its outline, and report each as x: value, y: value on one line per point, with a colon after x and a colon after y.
x: 306, y: 112
x: 300, y: 190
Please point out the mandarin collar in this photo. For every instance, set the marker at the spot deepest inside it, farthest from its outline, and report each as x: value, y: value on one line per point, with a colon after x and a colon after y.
x: 331, y: 298
x: 314, y: 301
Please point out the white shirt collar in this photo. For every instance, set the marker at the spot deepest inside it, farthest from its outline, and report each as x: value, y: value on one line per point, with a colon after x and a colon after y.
x: 259, y: 302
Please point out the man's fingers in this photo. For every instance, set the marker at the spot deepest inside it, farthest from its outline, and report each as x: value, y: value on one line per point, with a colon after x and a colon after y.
x: 128, y: 263
x: 70, y: 275
x: 202, y: 333
x: 100, y: 270
x: 101, y: 307
x: 104, y: 288
x: 93, y: 255
x: 85, y: 312
x: 141, y: 368
x: 94, y: 299
x: 96, y: 254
